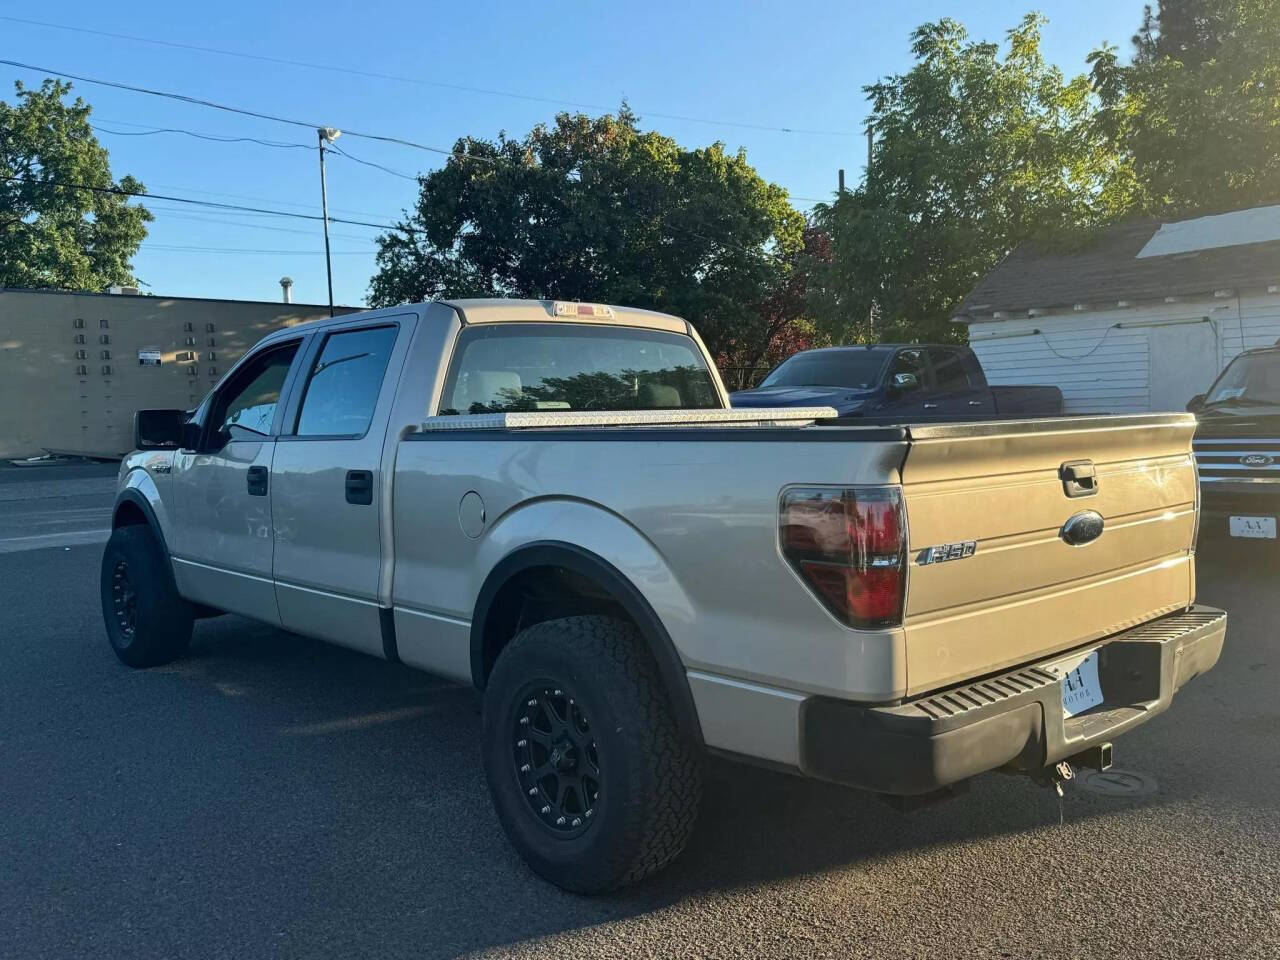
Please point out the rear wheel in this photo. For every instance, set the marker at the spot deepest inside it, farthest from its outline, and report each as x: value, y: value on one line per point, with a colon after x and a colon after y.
x: 590, y: 777
x: 147, y: 622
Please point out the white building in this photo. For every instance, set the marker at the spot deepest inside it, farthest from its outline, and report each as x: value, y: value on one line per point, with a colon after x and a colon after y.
x: 1143, y: 318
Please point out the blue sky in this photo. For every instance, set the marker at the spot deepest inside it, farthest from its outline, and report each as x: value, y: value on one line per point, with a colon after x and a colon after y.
x: 799, y: 65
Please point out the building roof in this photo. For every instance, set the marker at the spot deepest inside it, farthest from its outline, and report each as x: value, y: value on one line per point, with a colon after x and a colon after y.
x: 1125, y: 263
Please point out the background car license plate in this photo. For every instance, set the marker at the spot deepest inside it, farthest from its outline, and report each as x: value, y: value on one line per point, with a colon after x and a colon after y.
x: 1257, y: 528
x: 1081, y: 688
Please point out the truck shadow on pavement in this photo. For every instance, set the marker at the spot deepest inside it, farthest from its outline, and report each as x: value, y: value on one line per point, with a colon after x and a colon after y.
x: 395, y: 754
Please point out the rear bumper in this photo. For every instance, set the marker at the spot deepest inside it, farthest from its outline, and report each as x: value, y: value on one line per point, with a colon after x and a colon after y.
x: 1014, y: 719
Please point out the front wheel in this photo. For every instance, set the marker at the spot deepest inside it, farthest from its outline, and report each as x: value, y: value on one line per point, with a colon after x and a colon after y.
x: 590, y: 777
x: 147, y: 622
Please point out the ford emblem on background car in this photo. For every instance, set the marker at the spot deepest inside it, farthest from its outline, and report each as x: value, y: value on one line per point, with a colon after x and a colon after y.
x: 1083, y: 527
x: 1257, y: 460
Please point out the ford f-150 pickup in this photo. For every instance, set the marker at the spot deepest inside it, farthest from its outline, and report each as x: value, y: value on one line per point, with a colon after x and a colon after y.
x: 555, y: 503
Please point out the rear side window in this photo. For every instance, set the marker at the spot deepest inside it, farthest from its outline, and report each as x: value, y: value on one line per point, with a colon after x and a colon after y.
x: 344, y: 383
x: 948, y: 370
x: 554, y: 366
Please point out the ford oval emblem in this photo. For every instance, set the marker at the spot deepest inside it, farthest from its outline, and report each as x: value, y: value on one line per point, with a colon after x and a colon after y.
x: 1083, y: 527
x: 1257, y: 460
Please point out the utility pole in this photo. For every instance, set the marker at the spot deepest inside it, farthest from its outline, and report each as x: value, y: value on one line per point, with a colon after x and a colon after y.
x: 326, y: 135
x: 840, y: 192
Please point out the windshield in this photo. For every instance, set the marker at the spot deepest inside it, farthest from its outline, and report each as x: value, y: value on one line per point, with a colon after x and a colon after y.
x: 1252, y: 378
x: 855, y: 369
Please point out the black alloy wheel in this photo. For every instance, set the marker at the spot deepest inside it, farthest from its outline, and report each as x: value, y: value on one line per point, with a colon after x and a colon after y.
x: 124, y: 599
x: 556, y: 758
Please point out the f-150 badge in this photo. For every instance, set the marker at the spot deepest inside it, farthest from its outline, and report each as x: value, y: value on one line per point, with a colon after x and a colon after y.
x: 948, y: 551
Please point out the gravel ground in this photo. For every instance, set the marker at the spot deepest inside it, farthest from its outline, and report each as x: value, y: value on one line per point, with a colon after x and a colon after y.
x: 275, y: 797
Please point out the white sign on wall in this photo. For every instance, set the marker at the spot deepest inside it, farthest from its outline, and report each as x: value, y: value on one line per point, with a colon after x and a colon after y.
x: 148, y: 358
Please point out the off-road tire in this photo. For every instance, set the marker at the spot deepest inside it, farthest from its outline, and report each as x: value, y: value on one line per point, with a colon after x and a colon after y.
x: 133, y: 563
x: 650, y: 776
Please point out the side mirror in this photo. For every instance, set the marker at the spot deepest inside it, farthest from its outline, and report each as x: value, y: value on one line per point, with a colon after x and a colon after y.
x: 1196, y: 403
x: 158, y: 429
x: 906, y: 382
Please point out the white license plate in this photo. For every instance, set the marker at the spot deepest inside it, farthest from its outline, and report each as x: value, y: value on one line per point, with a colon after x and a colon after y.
x: 1254, y: 528
x: 1081, y: 688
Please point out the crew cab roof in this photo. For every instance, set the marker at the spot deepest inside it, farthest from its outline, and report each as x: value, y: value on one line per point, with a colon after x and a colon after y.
x: 499, y: 310
x: 543, y: 311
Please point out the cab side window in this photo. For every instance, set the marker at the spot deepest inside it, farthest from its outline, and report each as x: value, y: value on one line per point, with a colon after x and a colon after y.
x: 910, y: 363
x: 343, y: 386
x: 948, y: 370
x: 246, y: 407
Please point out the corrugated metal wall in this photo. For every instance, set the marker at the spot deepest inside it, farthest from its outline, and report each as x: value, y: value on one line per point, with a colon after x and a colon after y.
x: 1254, y: 322
x: 1097, y: 367
x: 1102, y: 368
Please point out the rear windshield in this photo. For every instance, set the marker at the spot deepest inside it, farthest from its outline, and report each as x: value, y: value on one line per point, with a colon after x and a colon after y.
x: 554, y: 366
x: 847, y: 368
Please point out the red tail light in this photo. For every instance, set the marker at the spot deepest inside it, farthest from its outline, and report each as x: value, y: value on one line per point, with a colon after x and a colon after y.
x: 849, y: 545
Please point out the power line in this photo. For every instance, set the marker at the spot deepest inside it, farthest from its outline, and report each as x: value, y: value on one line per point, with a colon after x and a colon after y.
x: 287, y: 203
x: 257, y: 114
x: 117, y: 191
x: 419, y: 81
x: 203, y: 136
x: 193, y: 249
x: 172, y: 213
x: 369, y: 163
x: 452, y: 154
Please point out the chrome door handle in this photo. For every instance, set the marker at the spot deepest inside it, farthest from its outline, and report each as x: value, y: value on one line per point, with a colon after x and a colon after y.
x: 931, y: 406
x: 975, y: 403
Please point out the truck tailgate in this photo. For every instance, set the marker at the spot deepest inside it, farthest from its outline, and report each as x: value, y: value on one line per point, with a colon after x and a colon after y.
x: 1021, y: 590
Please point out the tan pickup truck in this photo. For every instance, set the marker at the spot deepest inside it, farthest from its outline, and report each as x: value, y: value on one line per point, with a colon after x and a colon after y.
x: 555, y: 503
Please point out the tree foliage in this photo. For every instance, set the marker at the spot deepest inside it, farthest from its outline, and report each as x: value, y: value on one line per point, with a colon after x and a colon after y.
x: 57, y: 236
x: 1189, y: 31
x: 975, y: 151
x: 1197, y: 113
x: 594, y: 209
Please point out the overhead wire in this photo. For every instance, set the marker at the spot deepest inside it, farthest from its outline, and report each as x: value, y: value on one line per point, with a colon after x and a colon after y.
x: 118, y: 191
x: 420, y: 81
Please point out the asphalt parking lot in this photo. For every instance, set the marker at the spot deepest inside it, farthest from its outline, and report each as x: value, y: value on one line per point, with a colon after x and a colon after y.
x: 274, y: 797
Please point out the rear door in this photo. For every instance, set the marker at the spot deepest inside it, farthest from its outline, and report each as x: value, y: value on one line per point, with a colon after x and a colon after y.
x: 958, y: 397
x: 329, y: 492
x: 1015, y: 589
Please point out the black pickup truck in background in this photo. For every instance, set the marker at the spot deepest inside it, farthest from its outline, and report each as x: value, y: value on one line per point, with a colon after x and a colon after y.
x: 911, y: 380
x: 1237, y: 447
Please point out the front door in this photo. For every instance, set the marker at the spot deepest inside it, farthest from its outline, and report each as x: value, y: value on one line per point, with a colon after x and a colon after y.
x: 222, y: 505
x: 910, y: 395
x: 328, y: 493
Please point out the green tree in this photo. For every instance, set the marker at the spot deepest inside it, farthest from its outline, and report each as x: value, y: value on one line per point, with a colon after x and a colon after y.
x: 974, y: 152
x: 1197, y: 112
x: 594, y: 209
x: 1189, y: 31
x: 57, y: 236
